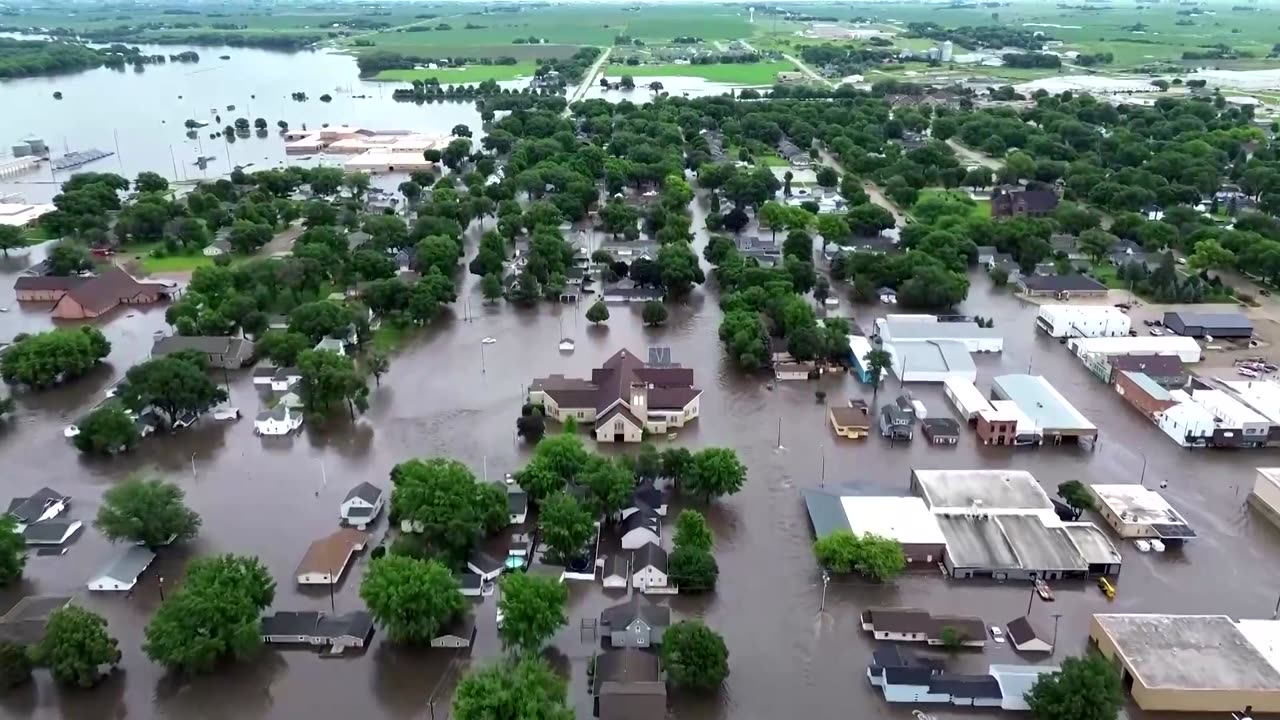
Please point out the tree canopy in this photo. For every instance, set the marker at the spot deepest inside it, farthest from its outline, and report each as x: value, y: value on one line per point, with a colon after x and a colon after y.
x: 148, y: 511
x: 413, y: 599
x: 13, y: 551
x: 1087, y: 688
x: 533, y: 609
x: 441, y: 499
x: 527, y: 688
x: 76, y: 647
x: 48, y: 358
x: 694, y: 656
x: 172, y: 384
x: 715, y: 472
x: 876, y: 557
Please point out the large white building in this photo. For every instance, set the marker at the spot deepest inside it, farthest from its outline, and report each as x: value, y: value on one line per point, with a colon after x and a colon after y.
x: 1232, y: 413
x: 901, y: 328
x: 1188, y: 423
x: 931, y: 361
x: 1187, y: 349
x: 1088, y: 321
x: 965, y: 396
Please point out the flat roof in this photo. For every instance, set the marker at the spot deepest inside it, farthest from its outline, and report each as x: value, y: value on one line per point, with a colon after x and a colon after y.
x: 1220, y: 403
x: 1042, y: 402
x: 1213, y: 319
x: 1140, y: 345
x: 1137, y: 504
x: 1094, y: 545
x: 905, y: 519
x: 1039, y: 546
x: 990, y: 490
x: 1261, y: 395
x: 1016, y: 680
x: 976, y: 543
x: 966, y: 393
x: 927, y: 327
x: 1191, y: 652
x: 930, y: 356
x: 1149, y: 386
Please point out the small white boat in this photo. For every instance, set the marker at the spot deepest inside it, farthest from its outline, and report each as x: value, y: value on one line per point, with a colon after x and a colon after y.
x: 70, y: 431
x: 1142, y: 545
x: 1156, y: 545
x: 566, y: 345
x: 489, y: 341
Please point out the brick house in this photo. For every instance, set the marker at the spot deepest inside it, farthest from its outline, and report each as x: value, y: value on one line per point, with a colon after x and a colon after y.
x: 1007, y: 202
x: 996, y: 428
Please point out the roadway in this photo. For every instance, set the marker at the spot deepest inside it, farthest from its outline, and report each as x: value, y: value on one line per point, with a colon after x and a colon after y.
x: 589, y: 79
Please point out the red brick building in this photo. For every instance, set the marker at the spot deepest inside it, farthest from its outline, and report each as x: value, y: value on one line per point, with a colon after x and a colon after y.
x: 1142, y: 392
x: 996, y: 428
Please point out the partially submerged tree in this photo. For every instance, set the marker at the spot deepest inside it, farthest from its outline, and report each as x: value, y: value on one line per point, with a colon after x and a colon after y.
x: 413, y: 599
x: 532, y: 609
x: 13, y: 551
x: 76, y: 647
x: 526, y: 688
x: 694, y: 656
x: 1087, y: 688
x: 1077, y: 495
x: 147, y: 511
x: 876, y: 557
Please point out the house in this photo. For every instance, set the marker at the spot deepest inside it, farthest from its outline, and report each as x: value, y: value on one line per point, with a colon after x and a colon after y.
x: 291, y: 400
x: 471, y: 585
x: 626, y: 291
x: 1061, y: 286
x: 458, y: 633
x: 640, y: 528
x: 109, y: 290
x: 1024, y: 638
x: 280, y: 420
x: 327, y: 558
x: 617, y: 572
x: 122, y: 573
x: 986, y: 255
x: 628, y: 685
x: 850, y: 421
x: 1007, y: 202
x: 50, y: 532
x: 649, y: 567
x: 357, y: 238
x: 887, y: 295
x: 912, y: 625
x: 624, y: 399
x: 216, y: 248
x: 1066, y: 245
x: 794, y: 371
x: 361, y: 505
x: 26, y: 621
x: 1216, y: 325
x: 1134, y: 511
x: 637, y: 623
x: 223, y: 351
x: 941, y: 431
x: 517, y: 504
x: 333, y: 345
x: 338, y: 632
x: 44, y: 504
x: 895, y: 423
x: 485, y: 565
x: 279, y: 379
x: 46, y: 288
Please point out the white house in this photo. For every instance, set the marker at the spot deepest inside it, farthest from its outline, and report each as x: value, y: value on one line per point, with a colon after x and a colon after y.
x: 459, y: 633
x: 362, y: 505
x: 285, y: 378
x: 122, y: 574
x: 280, y: 420
x: 639, y: 529
x: 471, y: 585
x: 792, y: 371
x: 327, y: 558
x: 649, y: 567
x: 517, y: 504
x: 616, y: 573
x: 1187, y: 423
x: 216, y: 248
x: 334, y: 345
x: 1082, y: 321
x: 486, y: 566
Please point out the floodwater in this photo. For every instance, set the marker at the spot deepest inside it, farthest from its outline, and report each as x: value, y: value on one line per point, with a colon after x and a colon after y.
x: 447, y: 394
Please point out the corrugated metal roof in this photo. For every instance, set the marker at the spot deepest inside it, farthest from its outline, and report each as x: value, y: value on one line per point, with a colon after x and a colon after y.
x: 1149, y: 386
x: 826, y: 512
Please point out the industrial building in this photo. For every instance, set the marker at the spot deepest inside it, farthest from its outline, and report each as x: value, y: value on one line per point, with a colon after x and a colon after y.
x: 1166, y: 371
x: 932, y: 328
x: 931, y: 361
x: 1193, y: 663
x: 1135, y: 511
x: 1231, y: 413
x: 1054, y: 417
x: 965, y: 396
x: 1184, y: 348
x: 1202, y: 324
x: 1087, y: 321
x: 1191, y: 425
x: 1266, y: 493
x: 905, y: 519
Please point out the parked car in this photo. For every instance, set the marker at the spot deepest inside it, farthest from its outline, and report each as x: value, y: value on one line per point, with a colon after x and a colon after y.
x: 1156, y: 331
x: 997, y: 634
x: 1253, y: 374
x: 1264, y: 292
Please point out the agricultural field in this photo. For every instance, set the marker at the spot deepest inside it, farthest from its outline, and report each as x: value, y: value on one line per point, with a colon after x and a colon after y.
x: 761, y: 73
x: 285, y: 20
x: 468, y: 74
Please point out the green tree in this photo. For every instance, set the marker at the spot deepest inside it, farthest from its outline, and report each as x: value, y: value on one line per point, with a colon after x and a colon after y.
x: 377, y: 364
x: 15, y: 665
x: 149, y: 182
x: 999, y: 276
x: 532, y: 609
x: 48, y: 358
x: 715, y: 472
x: 609, y: 484
x: 67, y: 258
x: 172, y: 384
x: 13, y: 551
x: 694, y: 656
x: 107, y: 430
x: 441, y: 499
x: 215, y: 615
x: 282, y: 347
x: 871, y: 555
x: 692, y: 531
x: 357, y: 183
x: 531, y: 425
x: 149, y: 512
x: 1077, y: 495
x: 330, y: 380
x: 562, y: 454
x: 566, y: 526
x: 654, y: 313
x: 413, y: 599
x: 76, y: 647
x: 951, y: 638
x: 318, y: 320
x: 11, y: 238
x: 1210, y: 255
x: 1087, y: 688
x: 773, y: 215
x: 598, y: 312
x: 491, y: 288
x: 878, y: 363
x: 1097, y: 243
x: 246, y: 236
x: 527, y: 688
x: 692, y: 569
x: 833, y: 228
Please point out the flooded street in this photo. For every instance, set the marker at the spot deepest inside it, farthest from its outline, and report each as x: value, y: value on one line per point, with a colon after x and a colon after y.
x: 272, y: 497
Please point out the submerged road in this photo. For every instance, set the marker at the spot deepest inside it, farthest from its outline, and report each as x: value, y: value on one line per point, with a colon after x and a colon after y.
x: 588, y: 80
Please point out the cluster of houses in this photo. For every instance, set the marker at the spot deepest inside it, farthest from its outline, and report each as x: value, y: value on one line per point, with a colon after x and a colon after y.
x: 37, y: 518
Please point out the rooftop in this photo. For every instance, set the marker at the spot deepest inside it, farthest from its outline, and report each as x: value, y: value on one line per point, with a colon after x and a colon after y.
x: 1202, y: 652
x: 25, y: 622
x: 1213, y: 320
x: 990, y: 490
x: 1039, y: 546
x: 930, y: 356
x: 1061, y: 283
x: 928, y: 328
x: 129, y: 565
x: 330, y: 554
x: 905, y: 519
x: 1137, y: 504
x: 976, y: 543
x: 1150, y: 365
x: 1147, y: 385
x: 1094, y: 545
x: 1042, y: 402
x: 1016, y: 680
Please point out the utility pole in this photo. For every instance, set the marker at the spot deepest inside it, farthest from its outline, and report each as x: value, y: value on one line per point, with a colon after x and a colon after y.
x: 780, y: 433
x: 193, y: 466
x: 482, y: 370
x: 160, y: 580
x: 826, y: 580
x: 332, y: 606
x: 822, y: 481
x: 1054, y: 650
x: 1032, y: 597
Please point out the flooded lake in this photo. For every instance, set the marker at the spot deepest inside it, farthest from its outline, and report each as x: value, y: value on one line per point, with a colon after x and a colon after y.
x: 272, y: 497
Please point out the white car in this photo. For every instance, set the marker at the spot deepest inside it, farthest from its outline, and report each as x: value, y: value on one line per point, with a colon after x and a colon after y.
x: 1246, y: 372
x: 997, y: 634
x: 1142, y: 545
x: 1156, y: 331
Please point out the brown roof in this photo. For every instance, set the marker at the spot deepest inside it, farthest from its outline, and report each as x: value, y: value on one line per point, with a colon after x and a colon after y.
x: 846, y: 416
x: 626, y: 665
x: 668, y: 387
x: 1153, y: 365
x: 49, y: 282
x: 673, y: 398
x: 619, y: 410
x: 105, y: 291
x: 330, y: 554
x: 1022, y: 631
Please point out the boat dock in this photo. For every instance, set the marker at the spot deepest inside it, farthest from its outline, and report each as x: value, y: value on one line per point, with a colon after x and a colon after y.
x: 78, y: 158
x: 17, y: 166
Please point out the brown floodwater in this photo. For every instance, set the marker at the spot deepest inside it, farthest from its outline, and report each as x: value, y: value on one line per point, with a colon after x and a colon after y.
x: 273, y: 497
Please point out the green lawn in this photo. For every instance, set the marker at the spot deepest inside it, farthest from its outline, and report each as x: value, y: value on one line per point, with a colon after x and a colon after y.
x: 390, y: 336
x: 761, y: 73
x: 771, y: 161
x: 174, y: 263
x: 979, y: 208
x: 1108, y: 275
x: 464, y: 75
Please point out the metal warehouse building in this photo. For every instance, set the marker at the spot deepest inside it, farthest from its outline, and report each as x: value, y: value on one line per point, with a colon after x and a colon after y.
x: 1218, y: 325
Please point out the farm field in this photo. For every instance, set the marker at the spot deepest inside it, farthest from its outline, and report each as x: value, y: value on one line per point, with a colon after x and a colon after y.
x: 761, y: 73
x: 468, y: 74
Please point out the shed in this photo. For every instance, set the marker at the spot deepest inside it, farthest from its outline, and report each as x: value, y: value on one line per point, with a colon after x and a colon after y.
x: 617, y: 571
x: 1024, y: 637
x: 459, y: 633
x: 122, y: 574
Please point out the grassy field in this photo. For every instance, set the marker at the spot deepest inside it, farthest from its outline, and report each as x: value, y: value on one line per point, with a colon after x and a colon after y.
x: 761, y: 73
x: 469, y: 74
x: 980, y: 208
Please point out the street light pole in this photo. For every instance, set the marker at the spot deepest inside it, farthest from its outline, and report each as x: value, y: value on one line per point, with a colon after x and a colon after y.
x: 482, y: 357
x: 1031, y: 598
x: 1054, y: 650
x: 160, y: 579
x: 826, y: 580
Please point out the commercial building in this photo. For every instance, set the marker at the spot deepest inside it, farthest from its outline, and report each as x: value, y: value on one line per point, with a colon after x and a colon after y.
x: 1055, y: 418
x: 1263, y: 396
x: 1166, y: 371
x: 1134, y: 511
x: 1142, y: 392
x: 997, y: 427
x: 624, y: 399
x: 1185, y: 349
x: 80, y: 297
x: 23, y: 214
x: 1193, y: 663
x: 931, y: 328
x: 1217, y: 325
x: 859, y: 346
x: 1191, y: 425
x: 1082, y: 321
x: 1062, y: 287
x: 966, y: 397
x: 1230, y: 412
x: 1266, y: 493
x: 905, y: 519
x: 219, y: 351
x: 931, y: 361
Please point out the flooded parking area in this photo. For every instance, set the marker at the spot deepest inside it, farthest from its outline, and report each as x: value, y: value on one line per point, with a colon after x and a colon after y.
x: 273, y: 497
